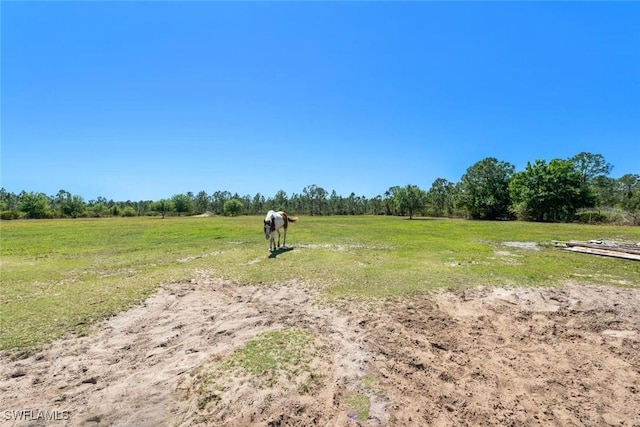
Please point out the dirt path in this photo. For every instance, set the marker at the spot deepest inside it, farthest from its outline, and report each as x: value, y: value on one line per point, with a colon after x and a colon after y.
x: 567, y: 357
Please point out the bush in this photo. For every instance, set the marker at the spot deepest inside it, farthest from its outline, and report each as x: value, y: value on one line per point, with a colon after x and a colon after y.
x: 630, y: 218
x: 592, y: 217
x: 232, y: 207
x: 604, y: 216
x: 520, y: 211
x: 129, y: 211
x: 8, y: 215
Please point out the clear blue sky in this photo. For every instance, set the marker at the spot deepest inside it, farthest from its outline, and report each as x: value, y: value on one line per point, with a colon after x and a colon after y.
x: 144, y: 100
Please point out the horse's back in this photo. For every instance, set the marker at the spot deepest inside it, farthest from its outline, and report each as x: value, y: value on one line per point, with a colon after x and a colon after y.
x: 280, y: 216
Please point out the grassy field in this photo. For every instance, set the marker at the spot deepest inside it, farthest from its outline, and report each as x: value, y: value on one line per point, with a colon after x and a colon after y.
x: 60, y: 276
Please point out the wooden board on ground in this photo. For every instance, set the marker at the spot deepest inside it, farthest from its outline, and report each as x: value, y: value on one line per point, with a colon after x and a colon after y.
x: 623, y: 251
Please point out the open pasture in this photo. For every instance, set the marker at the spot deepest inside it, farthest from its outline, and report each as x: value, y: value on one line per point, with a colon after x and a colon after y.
x: 364, y: 321
x: 62, y: 276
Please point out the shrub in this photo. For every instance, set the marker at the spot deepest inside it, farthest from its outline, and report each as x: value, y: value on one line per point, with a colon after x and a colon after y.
x: 8, y: 215
x: 129, y: 211
x: 592, y: 217
x: 232, y: 207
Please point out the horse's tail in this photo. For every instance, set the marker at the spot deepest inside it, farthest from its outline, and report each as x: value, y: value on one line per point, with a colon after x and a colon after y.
x: 288, y: 218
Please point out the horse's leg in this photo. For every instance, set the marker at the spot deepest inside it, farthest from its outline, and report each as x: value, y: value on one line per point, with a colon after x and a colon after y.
x: 278, y: 238
x: 285, y: 225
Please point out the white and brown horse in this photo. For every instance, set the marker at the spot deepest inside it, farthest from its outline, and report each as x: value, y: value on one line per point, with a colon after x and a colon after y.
x: 273, y: 222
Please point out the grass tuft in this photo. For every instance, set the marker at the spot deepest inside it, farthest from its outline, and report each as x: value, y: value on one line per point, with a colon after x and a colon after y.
x: 273, y: 354
x: 360, y: 403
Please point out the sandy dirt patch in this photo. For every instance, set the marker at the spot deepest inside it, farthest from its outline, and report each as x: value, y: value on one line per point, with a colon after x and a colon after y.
x: 565, y: 356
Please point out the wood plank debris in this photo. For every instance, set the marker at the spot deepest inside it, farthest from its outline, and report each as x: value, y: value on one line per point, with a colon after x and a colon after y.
x: 627, y: 251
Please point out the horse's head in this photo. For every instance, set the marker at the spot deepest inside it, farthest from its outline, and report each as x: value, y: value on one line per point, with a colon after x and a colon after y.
x: 267, y: 228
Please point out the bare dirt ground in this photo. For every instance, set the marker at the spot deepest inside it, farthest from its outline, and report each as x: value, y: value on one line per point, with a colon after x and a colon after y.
x: 493, y: 357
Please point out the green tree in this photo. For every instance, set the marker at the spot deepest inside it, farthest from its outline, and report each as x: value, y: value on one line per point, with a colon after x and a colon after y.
x: 630, y: 184
x: 58, y: 202
x: 485, y: 189
x: 232, y: 207
x: 99, y: 210
x: 246, y: 202
x: 129, y: 211
x: 281, y: 201
x: 9, y: 201
x: 336, y: 204
x: 593, y: 170
x: 410, y: 199
x: 35, y: 205
x: 548, y: 192
x: 218, y: 199
x: 590, y: 166
x: 143, y: 207
x: 295, y: 203
x: 605, y: 191
x: 162, y: 206
x: 389, y: 200
x: 351, y: 204
x: 182, y: 203
x: 376, y: 206
x: 316, y: 198
x: 201, y: 202
x: 73, y: 206
x: 258, y: 203
x: 630, y: 189
x: 441, y: 197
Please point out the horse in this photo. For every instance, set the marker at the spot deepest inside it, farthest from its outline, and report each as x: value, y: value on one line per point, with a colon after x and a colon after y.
x: 273, y: 222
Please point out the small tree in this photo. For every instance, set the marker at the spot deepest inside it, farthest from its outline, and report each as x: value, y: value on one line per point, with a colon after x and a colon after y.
x: 162, y: 206
x: 389, y: 200
x: 100, y: 210
x: 8, y: 201
x: 129, y: 211
x: 232, y: 207
x: 485, y: 189
x: 35, y: 205
x: 548, y: 192
x: 441, y: 197
x: 201, y: 202
x: 410, y: 199
x: 630, y: 189
x: 73, y: 206
x: 281, y: 201
x: 590, y: 166
x: 182, y: 203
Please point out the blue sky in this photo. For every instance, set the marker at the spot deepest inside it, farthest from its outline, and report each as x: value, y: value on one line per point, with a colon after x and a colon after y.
x: 144, y: 100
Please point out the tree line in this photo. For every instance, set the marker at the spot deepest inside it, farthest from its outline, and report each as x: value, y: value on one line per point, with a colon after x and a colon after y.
x: 561, y: 190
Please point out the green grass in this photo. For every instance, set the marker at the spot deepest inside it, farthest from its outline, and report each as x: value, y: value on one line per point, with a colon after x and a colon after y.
x: 360, y: 404
x: 272, y: 354
x: 60, y: 276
